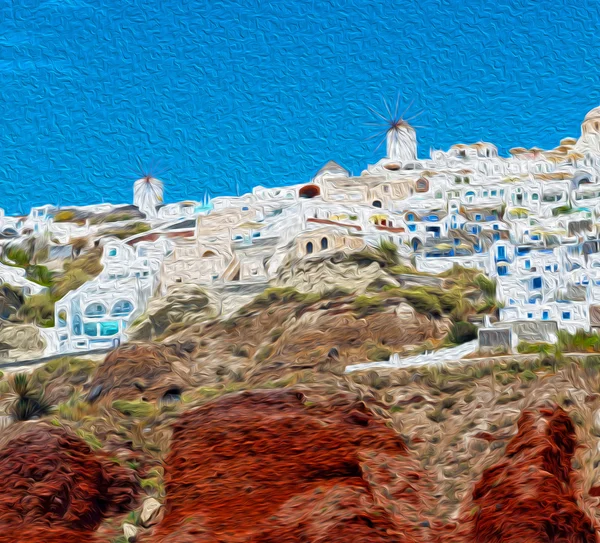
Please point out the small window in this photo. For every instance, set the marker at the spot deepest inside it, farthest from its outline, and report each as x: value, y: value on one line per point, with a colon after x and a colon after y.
x: 90, y: 329
x: 412, y: 227
x: 530, y: 315
x: 77, y: 325
x: 62, y: 318
x: 122, y: 308
x: 566, y: 315
x: 537, y: 282
x: 545, y: 315
x: 324, y: 244
x: 528, y: 264
x: 410, y: 217
x: 494, y: 193
x: 112, y: 252
x: 309, y: 248
x: 109, y: 328
x: 535, y: 197
x: 502, y: 270
x: 95, y: 310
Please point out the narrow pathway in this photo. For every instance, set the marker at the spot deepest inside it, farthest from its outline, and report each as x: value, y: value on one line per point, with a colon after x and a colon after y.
x: 449, y: 354
x: 19, y: 365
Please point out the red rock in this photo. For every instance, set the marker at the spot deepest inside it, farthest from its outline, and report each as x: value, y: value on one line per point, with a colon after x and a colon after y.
x: 54, y: 488
x: 531, y: 494
x: 273, y: 467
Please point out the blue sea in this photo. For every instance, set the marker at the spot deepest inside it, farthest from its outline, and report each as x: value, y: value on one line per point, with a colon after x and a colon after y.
x: 225, y: 96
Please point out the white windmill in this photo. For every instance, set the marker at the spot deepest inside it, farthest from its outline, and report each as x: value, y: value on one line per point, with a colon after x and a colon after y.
x: 400, y: 137
x: 148, y: 194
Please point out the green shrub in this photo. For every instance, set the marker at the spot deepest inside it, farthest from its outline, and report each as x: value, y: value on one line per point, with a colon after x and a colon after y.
x: 462, y: 331
x: 486, y: 285
x: 40, y: 275
x: 137, y: 409
x: 38, y: 309
x: 378, y: 353
x: 28, y: 403
x: 580, y: 341
x: 367, y: 305
x: 388, y: 251
x: 423, y: 301
x: 18, y: 255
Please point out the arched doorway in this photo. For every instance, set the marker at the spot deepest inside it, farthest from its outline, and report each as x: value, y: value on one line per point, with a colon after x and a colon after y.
x: 309, y: 248
x: 416, y: 244
x: 324, y: 244
x: 309, y: 191
x: 377, y: 203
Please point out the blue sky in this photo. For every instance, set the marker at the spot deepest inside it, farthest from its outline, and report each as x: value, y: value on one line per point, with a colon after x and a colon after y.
x: 226, y: 94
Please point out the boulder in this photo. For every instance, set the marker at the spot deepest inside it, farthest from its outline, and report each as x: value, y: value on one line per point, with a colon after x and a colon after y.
x: 150, y: 512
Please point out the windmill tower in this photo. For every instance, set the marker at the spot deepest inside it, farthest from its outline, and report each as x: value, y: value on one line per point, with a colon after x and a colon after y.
x: 147, y: 194
x: 400, y: 137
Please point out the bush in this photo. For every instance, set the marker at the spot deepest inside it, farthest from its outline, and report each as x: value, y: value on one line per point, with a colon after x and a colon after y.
x: 388, y: 251
x: 367, y: 305
x: 38, y: 309
x: 486, y: 285
x: 40, y: 275
x: 378, y: 353
x: 462, y: 331
x: 535, y: 348
x: 28, y: 404
x: 281, y: 294
x: 18, y: 255
x: 423, y: 301
x: 581, y: 341
x: 135, y: 409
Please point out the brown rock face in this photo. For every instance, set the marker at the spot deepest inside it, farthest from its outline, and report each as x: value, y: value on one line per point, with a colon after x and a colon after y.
x: 137, y: 371
x: 54, y: 488
x: 274, y: 467
x: 530, y: 495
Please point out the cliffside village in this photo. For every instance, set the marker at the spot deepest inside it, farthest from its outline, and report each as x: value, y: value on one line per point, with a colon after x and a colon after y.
x: 530, y: 221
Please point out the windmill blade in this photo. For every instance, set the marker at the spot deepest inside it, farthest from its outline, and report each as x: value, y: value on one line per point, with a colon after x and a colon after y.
x: 378, y: 114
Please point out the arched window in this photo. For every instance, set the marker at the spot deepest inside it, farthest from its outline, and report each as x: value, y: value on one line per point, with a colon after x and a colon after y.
x: 122, y: 308
x: 77, y: 325
x: 309, y: 191
x: 422, y: 185
x: 309, y: 248
x: 95, y: 310
x: 377, y: 203
x: 324, y: 243
x: 208, y: 254
x: 62, y: 318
